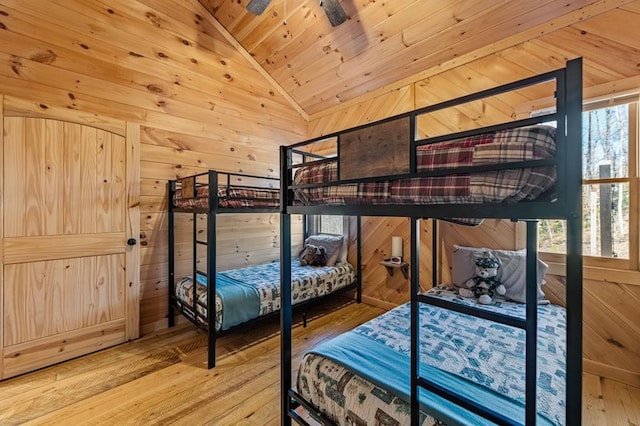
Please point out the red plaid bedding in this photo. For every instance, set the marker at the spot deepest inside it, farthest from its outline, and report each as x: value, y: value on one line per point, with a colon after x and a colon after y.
x: 231, y: 197
x: 503, y: 186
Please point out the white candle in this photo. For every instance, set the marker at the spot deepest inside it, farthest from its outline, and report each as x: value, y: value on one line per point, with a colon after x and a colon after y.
x: 396, y: 246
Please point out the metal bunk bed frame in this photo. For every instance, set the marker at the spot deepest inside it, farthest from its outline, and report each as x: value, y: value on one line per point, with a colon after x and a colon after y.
x: 191, y: 312
x: 567, y: 206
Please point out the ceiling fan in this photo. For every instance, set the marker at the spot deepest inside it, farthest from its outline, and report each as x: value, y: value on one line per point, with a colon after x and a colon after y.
x: 332, y: 8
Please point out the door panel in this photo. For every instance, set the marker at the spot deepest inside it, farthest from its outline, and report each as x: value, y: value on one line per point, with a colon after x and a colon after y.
x: 65, y: 276
x: 43, y: 299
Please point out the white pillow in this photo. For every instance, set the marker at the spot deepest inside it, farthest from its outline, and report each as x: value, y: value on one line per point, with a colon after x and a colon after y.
x: 512, y: 271
x: 333, y: 245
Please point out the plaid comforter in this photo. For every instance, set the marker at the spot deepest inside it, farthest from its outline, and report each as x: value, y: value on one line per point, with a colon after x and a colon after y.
x: 503, y: 186
x: 231, y: 197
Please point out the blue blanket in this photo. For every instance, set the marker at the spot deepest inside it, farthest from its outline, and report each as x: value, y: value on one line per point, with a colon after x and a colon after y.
x: 390, y: 370
x: 241, y: 301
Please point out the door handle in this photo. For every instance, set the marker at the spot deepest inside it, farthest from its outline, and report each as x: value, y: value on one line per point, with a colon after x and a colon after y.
x: 131, y: 241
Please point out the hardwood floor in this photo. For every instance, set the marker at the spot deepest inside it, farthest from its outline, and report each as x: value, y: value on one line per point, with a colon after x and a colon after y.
x: 163, y: 380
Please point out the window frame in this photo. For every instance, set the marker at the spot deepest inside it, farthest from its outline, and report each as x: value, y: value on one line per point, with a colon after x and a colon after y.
x: 632, y: 179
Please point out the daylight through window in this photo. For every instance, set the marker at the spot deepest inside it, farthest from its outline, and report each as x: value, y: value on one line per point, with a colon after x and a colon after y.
x: 608, y: 132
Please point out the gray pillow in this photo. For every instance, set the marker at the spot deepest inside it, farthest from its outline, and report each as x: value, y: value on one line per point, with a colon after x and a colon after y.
x: 512, y: 271
x: 333, y: 245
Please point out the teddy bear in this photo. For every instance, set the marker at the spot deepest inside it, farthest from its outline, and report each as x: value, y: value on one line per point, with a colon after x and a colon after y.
x: 320, y: 257
x: 485, y: 284
x: 313, y: 256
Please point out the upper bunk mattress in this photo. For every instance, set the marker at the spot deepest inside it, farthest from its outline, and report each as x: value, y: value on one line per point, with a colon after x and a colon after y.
x: 231, y: 197
x: 501, y: 186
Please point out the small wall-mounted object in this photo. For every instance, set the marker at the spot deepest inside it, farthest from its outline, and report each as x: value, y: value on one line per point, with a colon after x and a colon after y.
x: 396, y: 247
x: 390, y: 265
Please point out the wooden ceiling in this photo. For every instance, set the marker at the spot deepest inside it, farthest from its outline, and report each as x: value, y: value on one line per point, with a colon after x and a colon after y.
x: 384, y: 42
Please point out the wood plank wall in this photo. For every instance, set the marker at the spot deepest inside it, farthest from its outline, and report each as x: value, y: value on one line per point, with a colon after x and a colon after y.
x: 610, y: 46
x: 163, y: 65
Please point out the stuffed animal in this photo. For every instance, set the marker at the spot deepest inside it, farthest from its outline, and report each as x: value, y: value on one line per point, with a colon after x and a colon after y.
x: 313, y: 256
x: 485, y: 284
x: 320, y: 257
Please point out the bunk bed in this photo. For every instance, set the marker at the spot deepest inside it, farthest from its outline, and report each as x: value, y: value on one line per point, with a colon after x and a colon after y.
x: 419, y: 358
x: 242, y: 295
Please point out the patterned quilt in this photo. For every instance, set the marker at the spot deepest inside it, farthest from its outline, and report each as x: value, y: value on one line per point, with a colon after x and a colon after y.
x: 476, y: 356
x: 502, y: 186
x: 231, y: 197
x: 307, y: 282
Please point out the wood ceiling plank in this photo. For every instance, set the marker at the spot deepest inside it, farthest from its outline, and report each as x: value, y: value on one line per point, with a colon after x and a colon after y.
x: 89, y: 23
x: 370, y: 89
x: 276, y: 86
x: 619, y: 58
x: 166, y: 80
x: 617, y: 26
x: 146, y: 35
x: 384, y: 33
x: 312, y: 42
x: 479, y: 31
x: 271, y: 26
x: 632, y: 7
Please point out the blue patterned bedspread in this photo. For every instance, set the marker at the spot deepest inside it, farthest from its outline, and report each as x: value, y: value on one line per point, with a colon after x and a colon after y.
x: 254, y: 291
x: 483, y: 359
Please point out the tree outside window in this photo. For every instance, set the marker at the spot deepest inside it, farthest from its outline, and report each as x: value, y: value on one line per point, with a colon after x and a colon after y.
x: 607, y: 134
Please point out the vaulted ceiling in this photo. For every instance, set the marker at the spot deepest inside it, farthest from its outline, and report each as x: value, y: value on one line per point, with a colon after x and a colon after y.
x: 383, y: 42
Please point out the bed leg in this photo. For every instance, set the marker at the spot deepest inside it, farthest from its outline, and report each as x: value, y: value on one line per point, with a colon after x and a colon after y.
x: 304, y: 319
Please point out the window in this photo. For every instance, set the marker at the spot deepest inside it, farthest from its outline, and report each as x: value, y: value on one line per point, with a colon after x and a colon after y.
x: 609, y: 170
x: 326, y: 224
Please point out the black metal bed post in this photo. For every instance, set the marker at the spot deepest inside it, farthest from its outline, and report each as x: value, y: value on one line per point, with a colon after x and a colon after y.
x: 211, y: 267
x: 359, y: 260
x: 434, y: 252
x: 194, y: 266
x: 531, y: 327
x: 172, y: 250
x: 415, y: 319
x: 285, y: 289
x: 573, y: 168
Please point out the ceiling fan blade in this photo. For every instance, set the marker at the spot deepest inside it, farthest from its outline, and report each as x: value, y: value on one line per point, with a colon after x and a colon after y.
x: 334, y: 12
x: 258, y: 6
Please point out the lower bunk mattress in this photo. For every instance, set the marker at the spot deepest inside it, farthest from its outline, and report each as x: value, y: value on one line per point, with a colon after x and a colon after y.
x: 247, y: 293
x: 500, y: 186
x: 230, y: 197
x: 363, y: 376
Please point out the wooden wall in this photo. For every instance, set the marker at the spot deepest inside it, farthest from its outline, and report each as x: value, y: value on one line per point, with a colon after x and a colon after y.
x: 164, y: 65
x: 610, y: 46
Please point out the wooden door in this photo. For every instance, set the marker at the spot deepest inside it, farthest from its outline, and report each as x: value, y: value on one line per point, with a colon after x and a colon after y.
x: 69, y: 278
